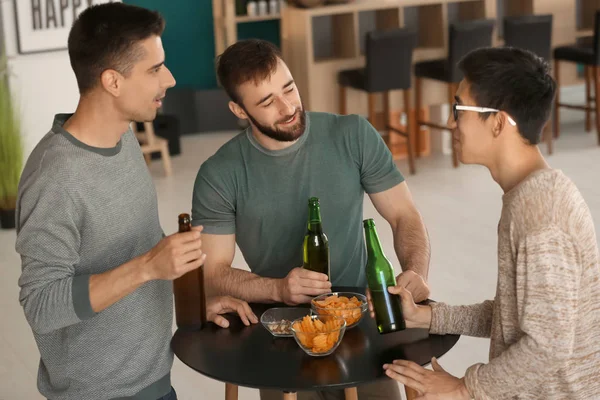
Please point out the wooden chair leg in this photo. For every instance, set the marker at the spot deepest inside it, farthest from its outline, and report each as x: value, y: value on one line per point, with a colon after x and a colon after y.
x: 410, y: 133
x: 597, y: 103
x: 372, y: 99
x: 351, y: 393
x: 147, y: 158
x: 231, y: 392
x: 556, y: 117
x: 452, y: 87
x: 342, y: 100
x: 588, y: 97
x: 166, y: 159
x: 417, y: 125
x: 411, y: 394
x: 392, y: 136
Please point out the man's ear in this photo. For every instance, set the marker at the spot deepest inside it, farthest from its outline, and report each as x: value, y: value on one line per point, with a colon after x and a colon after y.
x: 112, y: 81
x: 499, y: 123
x: 237, y: 110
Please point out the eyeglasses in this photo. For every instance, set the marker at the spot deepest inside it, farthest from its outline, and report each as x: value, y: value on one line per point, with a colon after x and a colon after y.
x: 456, y: 107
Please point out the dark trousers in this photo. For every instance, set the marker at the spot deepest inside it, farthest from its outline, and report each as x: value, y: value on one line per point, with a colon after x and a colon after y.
x: 170, y: 396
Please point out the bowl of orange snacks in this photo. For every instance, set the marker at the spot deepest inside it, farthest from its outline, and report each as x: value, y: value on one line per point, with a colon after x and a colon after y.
x: 350, y: 306
x: 319, y: 335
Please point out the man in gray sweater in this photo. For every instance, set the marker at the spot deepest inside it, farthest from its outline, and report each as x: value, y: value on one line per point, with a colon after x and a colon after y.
x: 97, y: 271
x: 544, y: 318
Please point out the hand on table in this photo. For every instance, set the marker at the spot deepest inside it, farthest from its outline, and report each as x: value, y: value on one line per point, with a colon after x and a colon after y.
x: 215, y: 306
x: 431, y: 385
x: 301, y: 285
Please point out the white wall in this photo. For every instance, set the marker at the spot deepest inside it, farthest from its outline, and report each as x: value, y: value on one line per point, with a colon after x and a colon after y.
x: 43, y: 83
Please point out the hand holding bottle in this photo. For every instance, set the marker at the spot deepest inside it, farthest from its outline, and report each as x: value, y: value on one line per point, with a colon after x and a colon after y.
x: 301, y: 285
x: 415, y: 284
x: 415, y: 316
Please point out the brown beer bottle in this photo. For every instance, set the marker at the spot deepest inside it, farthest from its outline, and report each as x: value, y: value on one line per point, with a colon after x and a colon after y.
x: 188, y: 290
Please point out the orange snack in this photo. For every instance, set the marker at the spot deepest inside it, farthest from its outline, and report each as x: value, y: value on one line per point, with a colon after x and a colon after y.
x: 316, y: 335
x: 347, y: 308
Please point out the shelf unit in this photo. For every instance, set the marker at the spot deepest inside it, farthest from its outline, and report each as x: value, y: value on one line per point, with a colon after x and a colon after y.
x: 246, y: 18
x: 225, y: 21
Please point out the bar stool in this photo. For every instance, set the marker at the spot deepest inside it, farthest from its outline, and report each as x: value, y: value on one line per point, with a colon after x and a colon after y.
x: 388, y: 67
x: 589, y: 56
x: 463, y: 38
x: 533, y: 33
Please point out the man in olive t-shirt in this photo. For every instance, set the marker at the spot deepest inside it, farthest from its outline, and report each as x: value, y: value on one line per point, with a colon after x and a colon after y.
x: 254, y: 191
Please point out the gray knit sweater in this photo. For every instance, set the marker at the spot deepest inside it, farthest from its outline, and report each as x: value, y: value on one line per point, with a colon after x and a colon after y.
x: 545, y: 318
x: 83, y: 211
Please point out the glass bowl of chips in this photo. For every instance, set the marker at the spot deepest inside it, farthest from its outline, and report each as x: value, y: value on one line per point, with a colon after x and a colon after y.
x: 319, y: 335
x: 350, y: 306
x: 279, y: 320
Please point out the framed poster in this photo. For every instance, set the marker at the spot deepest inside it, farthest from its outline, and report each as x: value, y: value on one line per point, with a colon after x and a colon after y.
x: 44, y: 25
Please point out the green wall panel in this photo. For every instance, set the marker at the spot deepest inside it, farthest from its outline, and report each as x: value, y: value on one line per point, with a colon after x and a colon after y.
x: 189, y: 39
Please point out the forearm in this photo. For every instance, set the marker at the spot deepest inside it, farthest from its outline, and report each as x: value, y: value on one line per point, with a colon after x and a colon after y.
x: 57, y: 304
x: 111, y: 286
x: 411, y: 243
x: 473, y: 320
x: 225, y: 280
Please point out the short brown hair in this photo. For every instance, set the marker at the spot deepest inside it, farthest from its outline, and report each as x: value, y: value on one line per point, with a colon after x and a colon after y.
x: 246, y: 60
x: 107, y: 36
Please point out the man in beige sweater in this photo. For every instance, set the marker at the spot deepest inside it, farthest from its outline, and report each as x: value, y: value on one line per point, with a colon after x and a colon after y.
x: 545, y: 318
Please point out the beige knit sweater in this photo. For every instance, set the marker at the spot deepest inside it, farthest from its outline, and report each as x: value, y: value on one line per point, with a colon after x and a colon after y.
x: 544, y: 322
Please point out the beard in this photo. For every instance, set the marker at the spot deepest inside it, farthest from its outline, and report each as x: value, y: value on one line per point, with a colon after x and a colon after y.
x: 283, y: 135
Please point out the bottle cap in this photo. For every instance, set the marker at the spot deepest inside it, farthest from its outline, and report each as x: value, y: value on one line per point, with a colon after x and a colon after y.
x: 369, y: 222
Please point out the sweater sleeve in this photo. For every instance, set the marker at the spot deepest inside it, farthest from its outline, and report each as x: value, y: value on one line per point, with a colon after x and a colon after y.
x: 548, y: 280
x: 473, y: 320
x: 52, y: 295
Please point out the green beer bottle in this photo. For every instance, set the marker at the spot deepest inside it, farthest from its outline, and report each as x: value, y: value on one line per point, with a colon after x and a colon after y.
x: 316, y: 244
x: 380, y: 275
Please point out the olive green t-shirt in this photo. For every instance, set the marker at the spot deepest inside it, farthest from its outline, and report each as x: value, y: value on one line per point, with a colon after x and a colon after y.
x: 261, y: 195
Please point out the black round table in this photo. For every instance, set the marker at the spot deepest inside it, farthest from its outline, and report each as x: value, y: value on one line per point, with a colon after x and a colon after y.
x: 252, y: 357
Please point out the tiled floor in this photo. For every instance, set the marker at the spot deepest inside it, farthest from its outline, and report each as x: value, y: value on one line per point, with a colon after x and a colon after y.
x: 460, y: 206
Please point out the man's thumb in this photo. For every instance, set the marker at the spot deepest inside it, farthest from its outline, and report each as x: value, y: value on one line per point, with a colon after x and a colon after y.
x: 436, y: 366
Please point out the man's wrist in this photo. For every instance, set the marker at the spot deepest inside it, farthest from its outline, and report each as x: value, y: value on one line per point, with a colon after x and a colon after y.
x: 277, y: 291
x: 141, y: 267
x: 424, y: 317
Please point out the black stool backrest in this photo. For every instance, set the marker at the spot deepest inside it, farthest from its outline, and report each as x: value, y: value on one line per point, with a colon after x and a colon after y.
x: 389, y: 59
x: 597, y: 37
x: 530, y: 32
x: 466, y: 37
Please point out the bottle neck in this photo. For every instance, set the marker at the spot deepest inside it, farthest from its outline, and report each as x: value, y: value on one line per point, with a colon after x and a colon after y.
x: 314, y: 219
x: 184, y: 223
x: 374, y: 249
